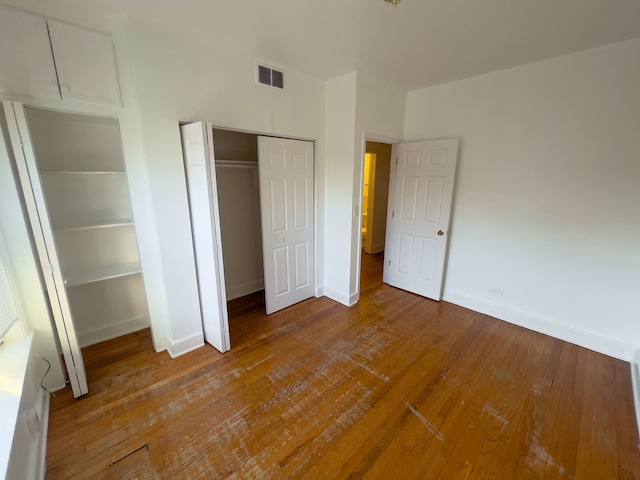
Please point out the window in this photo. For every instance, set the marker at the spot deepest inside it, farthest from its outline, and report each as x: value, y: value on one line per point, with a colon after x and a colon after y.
x: 8, y: 311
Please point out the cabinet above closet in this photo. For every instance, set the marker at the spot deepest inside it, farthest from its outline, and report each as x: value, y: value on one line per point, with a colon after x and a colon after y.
x: 45, y: 58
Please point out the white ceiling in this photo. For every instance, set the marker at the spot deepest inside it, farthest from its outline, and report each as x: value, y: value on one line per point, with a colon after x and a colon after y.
x: 416, y: 44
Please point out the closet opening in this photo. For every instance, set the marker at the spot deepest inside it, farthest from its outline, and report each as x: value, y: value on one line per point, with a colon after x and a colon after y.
x: 251, y: 202
x: 236, y: 165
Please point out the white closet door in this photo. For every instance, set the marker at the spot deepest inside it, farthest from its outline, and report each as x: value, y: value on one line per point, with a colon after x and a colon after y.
x: 45, y: 245
x: 197, y: 145
x: 286, y: 203
x: 421, y: 188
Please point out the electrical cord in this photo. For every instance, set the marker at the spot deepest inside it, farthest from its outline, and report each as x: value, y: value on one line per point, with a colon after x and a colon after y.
x: 45, y: 374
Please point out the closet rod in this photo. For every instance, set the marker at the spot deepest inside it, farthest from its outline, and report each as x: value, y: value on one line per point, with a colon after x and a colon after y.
x: 236, y: 164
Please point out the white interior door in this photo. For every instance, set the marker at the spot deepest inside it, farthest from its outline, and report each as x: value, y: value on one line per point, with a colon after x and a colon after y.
x: 197, y: 145
x: 421, y: 188
x: 45, y: 245
x: 286, y: 204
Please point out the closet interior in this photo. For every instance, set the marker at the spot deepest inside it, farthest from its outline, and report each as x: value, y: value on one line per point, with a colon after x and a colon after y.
x: 82, y: 172
x: 236, y: 164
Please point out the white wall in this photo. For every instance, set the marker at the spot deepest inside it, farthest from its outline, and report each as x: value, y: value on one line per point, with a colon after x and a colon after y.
x: 547, y: 201
x: 339, y: 163
x: 380, y: 116
x: 359, y: 107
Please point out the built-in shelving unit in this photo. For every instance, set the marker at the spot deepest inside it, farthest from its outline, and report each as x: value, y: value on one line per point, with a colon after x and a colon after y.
x: 86, y: 190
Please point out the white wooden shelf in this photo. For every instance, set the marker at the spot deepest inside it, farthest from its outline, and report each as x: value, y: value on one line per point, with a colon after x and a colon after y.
x: 91, y: 275
x: 80, y: 223
x: 84, y: 172
x: 236, y: 164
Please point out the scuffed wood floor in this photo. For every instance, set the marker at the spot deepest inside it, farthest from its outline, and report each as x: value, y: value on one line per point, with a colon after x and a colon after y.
x: 396, y: 387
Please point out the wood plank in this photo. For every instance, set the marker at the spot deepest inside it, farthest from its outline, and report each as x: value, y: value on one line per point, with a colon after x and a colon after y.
x: 397, y: 386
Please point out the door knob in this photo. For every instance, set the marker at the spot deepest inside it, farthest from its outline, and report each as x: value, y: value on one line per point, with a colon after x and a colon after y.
x: 440, y: 232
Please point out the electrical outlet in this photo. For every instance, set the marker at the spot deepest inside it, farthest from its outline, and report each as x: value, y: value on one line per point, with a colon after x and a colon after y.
x: 496, y: 291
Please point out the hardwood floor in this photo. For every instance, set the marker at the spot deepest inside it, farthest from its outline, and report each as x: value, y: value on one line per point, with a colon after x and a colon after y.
x: 396, y: 387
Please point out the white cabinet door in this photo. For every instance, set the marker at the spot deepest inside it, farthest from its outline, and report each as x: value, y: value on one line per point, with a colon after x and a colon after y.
x: 45, y: 245
x: 85, y: 62
x: 197, y: 145
x: 421, y: 188
x: 286, y: 203
x: 26, y: 64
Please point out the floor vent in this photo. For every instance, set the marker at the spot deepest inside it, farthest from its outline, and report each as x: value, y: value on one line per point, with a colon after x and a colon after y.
x: 270, y: 76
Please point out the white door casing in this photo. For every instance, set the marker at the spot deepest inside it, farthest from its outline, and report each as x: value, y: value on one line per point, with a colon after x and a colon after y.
x: 420, y: 194
x: 197, y: 144
x: 286, y: 204
x: 45, y: 245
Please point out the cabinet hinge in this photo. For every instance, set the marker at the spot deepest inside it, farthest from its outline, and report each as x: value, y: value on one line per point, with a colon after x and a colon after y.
x: 396, y: 160
x: 393, y: 214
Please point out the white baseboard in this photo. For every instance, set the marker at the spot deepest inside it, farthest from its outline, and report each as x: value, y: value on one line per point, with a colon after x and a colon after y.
x: 377, y: 248
x: 237, y: 291
x: 319, y: 292
x: 635, y: 384
x: 184, y: 345
x: 354, y: 298
x: 113, y: 330
x: 338, y: 297
x: 581, y: 338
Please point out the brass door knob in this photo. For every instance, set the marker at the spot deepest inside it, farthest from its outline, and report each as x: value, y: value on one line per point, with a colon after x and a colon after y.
x: 440, y: 232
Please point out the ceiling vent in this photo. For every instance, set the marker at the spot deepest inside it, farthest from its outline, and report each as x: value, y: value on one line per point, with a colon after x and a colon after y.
x: 270, y: 76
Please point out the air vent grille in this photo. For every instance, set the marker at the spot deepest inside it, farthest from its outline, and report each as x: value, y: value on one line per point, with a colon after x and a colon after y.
x: 270, y: 76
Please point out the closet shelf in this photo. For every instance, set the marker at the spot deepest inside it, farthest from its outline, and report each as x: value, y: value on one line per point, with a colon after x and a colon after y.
x: 91, y: 275
x: 84, y: 172
x: 87, y: 224
x: 236, y: 163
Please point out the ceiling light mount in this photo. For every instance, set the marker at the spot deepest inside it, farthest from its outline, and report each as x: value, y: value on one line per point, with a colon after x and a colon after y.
x: 393, y: 2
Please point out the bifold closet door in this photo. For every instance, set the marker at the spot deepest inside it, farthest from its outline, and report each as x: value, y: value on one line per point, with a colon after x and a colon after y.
x: 286, y: 202
x: 55, y: 282
x: 197, y: 145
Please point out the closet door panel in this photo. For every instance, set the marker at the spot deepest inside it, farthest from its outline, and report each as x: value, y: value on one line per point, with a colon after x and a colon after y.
x: 26, y: 64
x: 45, y: 245
x: 286, y: 179
x: 197, y: 146
x: 85, y: 62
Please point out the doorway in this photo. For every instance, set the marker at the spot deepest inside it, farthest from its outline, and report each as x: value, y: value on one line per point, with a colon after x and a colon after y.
x: 375, y: 199
x: 420, y: 192
x: 377, y: 167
